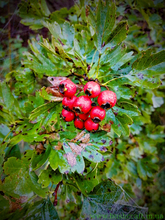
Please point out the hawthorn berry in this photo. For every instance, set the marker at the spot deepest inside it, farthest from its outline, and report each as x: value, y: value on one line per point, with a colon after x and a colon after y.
x: 97, y: 114
x: 67, y: 88
x: 82, y: 116
x: 92, y: 89
x: 90, y: 125
x: 67, y: 115
x: 67, y: 102
x: 82, y: 105
x: 107, y: 99
x: 78, y: 123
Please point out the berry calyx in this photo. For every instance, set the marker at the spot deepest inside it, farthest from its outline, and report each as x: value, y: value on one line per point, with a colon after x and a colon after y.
x: 78, y: 123
x: 67, y: 88
x: 82, y: 105
x: 90, y: 125
x: 92, y: 89
x: 107, y: 99
x: 67, y: 102
x: 67, y: 115
x: 82, y: 116
x: 97, y: 114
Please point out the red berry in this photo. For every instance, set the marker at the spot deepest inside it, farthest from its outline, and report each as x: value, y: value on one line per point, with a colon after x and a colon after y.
x: 97, y: 114
x: 82, y: 105
x: 107, y: 99
x: 78, y: 123
x: 67, y: 88
x: 82, y: 116
x: 67, y: 116
x: 90, y: 125
x: 92, y: 89
x: 67, y: 102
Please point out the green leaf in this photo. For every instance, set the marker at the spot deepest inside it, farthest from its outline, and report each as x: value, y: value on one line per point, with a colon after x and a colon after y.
x: 42, y: 209
x: 19, y: 180
x: 146, y: 167
x: 68, y: 33
x: 141, y: 80
x: 148, y: 61
x: 128, y: 108
x: 49, y: 176
x: 118, y: 35
x: 4, y: 206
x: 113, y: 167
x: 120, y: 122
x: 80, y: 165
x: 13, y: 152
x: 41, y: 110
x: 105, y: 20
x: 8, y: 101
x: 25, y: 81
x: 16, y: 183
x: 92, y: 155
x: 35, y: 186
x: 39, y: 160
x: 131, y: 168
x: 34, y: 13
x: 108, y: 201
x: 141, y: 170
x: 86, y: 183
x: 57, y: 160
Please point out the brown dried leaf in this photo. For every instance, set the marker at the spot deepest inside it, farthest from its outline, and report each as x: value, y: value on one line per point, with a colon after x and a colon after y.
x: 55, y: 80
x: 32, y: 147
x: 75, y: 148
x: 59, y: 146
x: 54, y: 136
x: 85, y: 139
x: 107, y: 127
x: 84, y: 145
x: 40, y: 148
x: 15, y: 203
x: 53, y: 91
x: 78, y: 136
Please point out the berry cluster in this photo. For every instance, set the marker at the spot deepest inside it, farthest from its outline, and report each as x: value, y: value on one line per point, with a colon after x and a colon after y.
x: 81, y: 109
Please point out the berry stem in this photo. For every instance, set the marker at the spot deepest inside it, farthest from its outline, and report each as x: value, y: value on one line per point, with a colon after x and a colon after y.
x: 112, y: 80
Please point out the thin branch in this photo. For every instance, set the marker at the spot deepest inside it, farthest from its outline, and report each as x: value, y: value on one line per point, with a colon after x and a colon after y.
x: 55, y: 193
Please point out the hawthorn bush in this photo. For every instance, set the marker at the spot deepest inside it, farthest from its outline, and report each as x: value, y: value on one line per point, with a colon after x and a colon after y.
x: 50, y: 169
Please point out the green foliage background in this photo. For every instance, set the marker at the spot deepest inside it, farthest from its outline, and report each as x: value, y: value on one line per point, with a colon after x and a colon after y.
x: 121, y: 45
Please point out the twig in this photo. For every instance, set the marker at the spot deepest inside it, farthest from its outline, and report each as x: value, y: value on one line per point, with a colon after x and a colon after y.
x: 55, y: 193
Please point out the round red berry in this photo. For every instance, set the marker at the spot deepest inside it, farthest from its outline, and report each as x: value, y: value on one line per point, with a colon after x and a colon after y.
x: 92, y: 89
x: 67, y: 103
x: 67, y: 115
x: 82, y: 105
x: 78, y: 123
x: 107, y: 99
x: 67, y: 88
x: 90, y: 125
x: 97, y: 114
